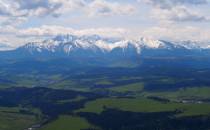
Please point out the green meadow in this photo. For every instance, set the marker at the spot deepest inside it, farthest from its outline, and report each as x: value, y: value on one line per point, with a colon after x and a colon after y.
x: 135, y: 87
x: 65, y: 122
x: 12, y: 119
x: 145, y: 105
x: 197, y: 93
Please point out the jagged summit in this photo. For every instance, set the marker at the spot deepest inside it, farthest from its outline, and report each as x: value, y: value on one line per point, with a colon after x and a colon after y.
x: 69, y: 43
x: 97, y: 50
x: 97, y: 47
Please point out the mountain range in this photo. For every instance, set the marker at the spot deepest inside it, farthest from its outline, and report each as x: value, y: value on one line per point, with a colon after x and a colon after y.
x: 70, y: 43
x: 100, y: 50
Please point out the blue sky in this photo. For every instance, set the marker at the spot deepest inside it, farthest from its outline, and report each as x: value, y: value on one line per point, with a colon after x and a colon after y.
x: 23, y: 20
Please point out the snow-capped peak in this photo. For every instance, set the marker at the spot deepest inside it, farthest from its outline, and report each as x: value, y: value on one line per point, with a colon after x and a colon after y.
x: 151, y: 43
x: 94, y: 43
x: 71, y: 42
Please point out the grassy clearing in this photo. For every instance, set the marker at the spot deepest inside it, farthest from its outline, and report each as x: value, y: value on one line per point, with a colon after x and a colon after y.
x: 78, y: 98
x: 104, y: 82
x: 70, y: 85
x: 68, y: 123
x: 145, y: 105
x: 63, y: 84
x: 26, y: 82
x: 124, y: 78
x: 4, y: 85
x: 186, y: 93
x: 56, y: 77
x: 136, y: 87
x: 19, y: 121
x: 168, y: 80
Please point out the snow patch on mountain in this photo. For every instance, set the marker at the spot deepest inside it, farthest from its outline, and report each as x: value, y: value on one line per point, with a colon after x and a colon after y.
x: 150, y: 43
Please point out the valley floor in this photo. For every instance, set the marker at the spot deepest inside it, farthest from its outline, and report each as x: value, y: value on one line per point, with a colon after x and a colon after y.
x: 105, y: 99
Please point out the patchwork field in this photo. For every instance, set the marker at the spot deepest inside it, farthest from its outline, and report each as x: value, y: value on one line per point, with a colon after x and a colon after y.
x: 145, y: 105
x: 13, y: 119
x: 69, y: 99
x: 65, y: 122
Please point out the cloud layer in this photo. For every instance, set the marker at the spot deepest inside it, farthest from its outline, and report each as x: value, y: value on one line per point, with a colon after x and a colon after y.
x: 167, y: 4
x: 28, y: 20
x: 179, y: 14
x: 101, y: 7
x: 21, y: 10
x: 46, y: 31
x: 177, y: 10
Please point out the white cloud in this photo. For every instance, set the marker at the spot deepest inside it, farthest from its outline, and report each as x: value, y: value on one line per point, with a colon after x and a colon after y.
x: 167, y: 4
x: 14, y: 13
x: 50, y: 30
x: 17, y: 10
x: 178, y: 32
x: 179, y: 14
x: 104, y: 8
x: 18, y: 37
x: 177, y: 10
x: 22, y: 36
